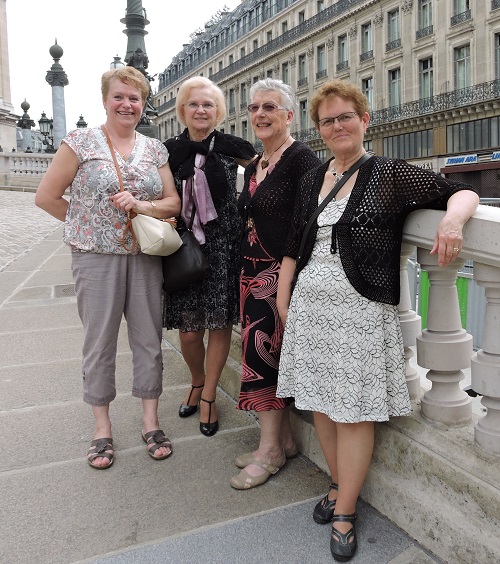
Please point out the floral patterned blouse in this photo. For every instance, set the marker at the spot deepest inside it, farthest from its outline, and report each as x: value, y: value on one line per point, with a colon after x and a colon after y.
x: 93, y: 224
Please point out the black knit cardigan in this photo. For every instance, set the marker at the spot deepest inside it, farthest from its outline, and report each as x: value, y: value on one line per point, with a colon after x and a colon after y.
x: 370, y: 231
x: 272, y: 204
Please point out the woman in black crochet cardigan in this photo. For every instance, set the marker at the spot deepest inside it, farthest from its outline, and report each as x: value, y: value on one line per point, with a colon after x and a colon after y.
x: 266, y: 206
x: 342, y: 355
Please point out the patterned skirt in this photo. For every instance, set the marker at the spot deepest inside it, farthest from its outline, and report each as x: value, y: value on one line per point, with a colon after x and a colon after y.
x: 261, y: 336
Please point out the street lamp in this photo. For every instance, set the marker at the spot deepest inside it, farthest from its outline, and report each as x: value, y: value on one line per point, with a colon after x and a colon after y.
x: 81, y: 123
x: 117, y: 63
x: 46, y: 129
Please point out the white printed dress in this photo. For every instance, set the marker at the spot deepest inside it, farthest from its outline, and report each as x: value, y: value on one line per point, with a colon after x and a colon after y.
x: 342, y: 353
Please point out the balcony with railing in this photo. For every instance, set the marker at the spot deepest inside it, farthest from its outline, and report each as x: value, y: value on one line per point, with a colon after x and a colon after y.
x: 460, y: 18
x: 321, y: 74
x: 495, y: 4
x: 424, y: 32
x: 366, y: 56
x: 302, y: 82
x: 395, y: 44
x: 342, y: 66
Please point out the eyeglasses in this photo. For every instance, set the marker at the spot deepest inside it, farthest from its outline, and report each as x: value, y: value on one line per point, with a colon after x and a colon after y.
x: 267, y: 107
x: 342, y: 119
x: 207, y: 106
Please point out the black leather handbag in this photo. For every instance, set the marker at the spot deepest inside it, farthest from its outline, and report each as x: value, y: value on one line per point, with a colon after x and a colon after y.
x: 187, y: 265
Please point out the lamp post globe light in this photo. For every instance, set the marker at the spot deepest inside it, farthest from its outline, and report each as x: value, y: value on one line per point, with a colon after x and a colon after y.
x: 46, y: 129
x: 117, y: 63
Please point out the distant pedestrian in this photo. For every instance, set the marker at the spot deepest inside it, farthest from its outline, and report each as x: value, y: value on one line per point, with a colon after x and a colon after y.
x: 343, y: 354
x: 112, y: 277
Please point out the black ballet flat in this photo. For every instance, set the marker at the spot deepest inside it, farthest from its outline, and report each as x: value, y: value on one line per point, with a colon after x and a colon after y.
x: 341, y: 546
x: 209, y: 429
x: 323, y: 512
x: 188, y: 410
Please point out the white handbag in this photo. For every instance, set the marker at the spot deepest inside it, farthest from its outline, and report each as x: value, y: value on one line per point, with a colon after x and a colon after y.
x: 156, y: 236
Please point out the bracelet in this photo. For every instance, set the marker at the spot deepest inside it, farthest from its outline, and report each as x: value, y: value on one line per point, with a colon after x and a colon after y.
x: 153, y: 205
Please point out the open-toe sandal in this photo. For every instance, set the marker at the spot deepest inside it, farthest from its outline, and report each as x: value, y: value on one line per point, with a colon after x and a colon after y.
x: 101, y: 448
x: 245, y: 459
x: 341, y: 545
x: 323, y: 512
x: 186, y: 410
x: 244, y: 481
x: 155, y: 440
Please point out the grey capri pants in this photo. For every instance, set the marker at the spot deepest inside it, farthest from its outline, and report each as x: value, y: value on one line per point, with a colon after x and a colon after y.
x: 108, y: 286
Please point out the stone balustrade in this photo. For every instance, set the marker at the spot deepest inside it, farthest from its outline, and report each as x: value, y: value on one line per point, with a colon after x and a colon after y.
x: 18, y: 169
x: 443, y: 347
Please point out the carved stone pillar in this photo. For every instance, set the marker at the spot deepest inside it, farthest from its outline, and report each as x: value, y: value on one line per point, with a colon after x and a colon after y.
x: 485, y: 364
x: 411, y: 323
x: 444, y: 347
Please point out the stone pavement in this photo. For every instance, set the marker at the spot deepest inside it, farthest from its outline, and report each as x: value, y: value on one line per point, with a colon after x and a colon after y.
x: 54, y: 508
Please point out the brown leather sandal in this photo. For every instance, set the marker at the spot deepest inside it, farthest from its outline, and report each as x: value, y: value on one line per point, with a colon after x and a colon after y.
x: 101, y: 448
x: 155, y: 440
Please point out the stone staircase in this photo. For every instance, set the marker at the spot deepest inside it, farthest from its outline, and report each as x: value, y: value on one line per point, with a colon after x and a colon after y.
x: 433, y: 482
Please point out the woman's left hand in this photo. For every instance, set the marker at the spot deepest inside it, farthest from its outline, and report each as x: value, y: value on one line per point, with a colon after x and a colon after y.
x: 124, y: 201
x: 448, y: 241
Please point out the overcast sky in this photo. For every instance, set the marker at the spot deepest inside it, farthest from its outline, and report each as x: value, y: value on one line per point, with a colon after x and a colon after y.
x: 90, y: 34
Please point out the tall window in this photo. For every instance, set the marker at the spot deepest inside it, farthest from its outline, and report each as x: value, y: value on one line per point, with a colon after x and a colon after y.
x: 461, y: 66
x: 460, y: 6
x: 303, y: 121
x: 321, y: 59
x: 284, y: 27
x: 320, y: 6
x: 367, y: 89
x: 395, y: 87
x: 244, y: 129
x: 243, y: 94
x: 393, y: 33
x: 424, y: 14
x: 497, y: 55
x: 285, y: 73
x: 366, y: 38
x: 302, y: 17
x: 231, y: 99
x: 242, y: 52
x: 342, y: 49
x: 231, y: 59
x: 302, y: 69
x: 269, y: 36
x: 426, y: 80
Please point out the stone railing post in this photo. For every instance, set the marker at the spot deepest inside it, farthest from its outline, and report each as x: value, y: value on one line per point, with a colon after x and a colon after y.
x: 444, y: 347
x: 485, y: 364
x: 411, y: 323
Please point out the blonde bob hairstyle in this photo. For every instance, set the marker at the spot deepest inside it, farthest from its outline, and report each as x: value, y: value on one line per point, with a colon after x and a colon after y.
x: 200, y: 82
x: 127, y: 75
x: 343, y: 89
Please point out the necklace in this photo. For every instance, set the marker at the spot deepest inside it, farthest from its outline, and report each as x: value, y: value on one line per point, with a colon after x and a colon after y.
x: 264, y: 163
x: 336, y: 175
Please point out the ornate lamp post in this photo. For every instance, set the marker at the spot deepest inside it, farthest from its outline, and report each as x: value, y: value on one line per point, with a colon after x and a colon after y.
x: 57, y: 79
x: 117, y: 63
x: 46, y: 129
x: 26, y: 123
x: 81, y: 123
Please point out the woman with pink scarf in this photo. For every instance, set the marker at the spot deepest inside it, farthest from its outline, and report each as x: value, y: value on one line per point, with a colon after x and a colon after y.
x: 205, y: 164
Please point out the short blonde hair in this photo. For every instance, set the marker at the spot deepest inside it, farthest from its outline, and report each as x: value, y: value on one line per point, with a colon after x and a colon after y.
x: 127, y: 75
x: 200, y: 82
x: 343, y: 89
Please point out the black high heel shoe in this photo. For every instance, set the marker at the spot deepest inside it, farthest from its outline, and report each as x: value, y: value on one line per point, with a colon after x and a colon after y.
x: 341, y: 546
x: 209, y: 429
x: 188, y: 410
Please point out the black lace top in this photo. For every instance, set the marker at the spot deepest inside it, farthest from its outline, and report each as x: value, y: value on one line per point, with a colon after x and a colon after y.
x: 370, y: 231
x: 272, y: 204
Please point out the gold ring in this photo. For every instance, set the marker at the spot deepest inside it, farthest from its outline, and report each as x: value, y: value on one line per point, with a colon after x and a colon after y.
x: 455, y: 249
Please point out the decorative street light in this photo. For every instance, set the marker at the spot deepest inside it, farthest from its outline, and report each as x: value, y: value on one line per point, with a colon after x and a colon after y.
x: 117, y: 63
x: 81, y: 123
x: 46, y: 129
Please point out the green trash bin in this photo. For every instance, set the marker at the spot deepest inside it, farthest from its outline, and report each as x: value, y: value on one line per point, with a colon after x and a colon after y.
x: 423, y: 297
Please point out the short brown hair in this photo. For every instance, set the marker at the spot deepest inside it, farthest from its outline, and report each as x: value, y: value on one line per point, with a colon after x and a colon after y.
x: 343, y: 89
x: 127, y: 75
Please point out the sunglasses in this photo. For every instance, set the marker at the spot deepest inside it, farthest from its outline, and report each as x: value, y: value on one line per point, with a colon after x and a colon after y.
x: 267, y: 107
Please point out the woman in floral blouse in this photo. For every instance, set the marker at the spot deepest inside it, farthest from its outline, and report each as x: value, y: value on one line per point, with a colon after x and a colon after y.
x: 112, y: 277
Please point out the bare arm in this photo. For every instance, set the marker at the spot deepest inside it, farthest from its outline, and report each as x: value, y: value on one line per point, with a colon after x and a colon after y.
x: 59, y: 175
x: 449, y: 238
x: 285, y: 280
x: 168, y: 206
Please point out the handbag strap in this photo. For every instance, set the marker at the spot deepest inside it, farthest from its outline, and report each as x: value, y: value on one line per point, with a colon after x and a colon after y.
x: 130, y: 215
x: 347, y: 174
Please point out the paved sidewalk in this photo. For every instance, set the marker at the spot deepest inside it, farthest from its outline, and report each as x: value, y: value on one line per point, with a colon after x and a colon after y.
x: 54, y: 508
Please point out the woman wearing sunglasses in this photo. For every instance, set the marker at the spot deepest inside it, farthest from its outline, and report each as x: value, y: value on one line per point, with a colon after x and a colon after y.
x: 343, y: 355
x: 266, y: 205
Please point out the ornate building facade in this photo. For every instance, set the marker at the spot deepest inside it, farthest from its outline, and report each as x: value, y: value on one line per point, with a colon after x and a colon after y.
x: 430, y: 70
x: 8, y: 119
